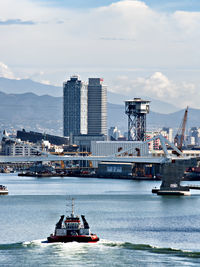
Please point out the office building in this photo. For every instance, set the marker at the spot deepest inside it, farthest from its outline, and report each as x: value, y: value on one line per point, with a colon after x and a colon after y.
x: 74, y: 107
x: 97, y: 107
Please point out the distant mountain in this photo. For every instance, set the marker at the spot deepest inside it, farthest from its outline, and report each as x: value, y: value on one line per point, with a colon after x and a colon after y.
x: 32, y: 112
x: 155, y: 105
x: 26, y: 85
x: 11, y: 86
x: 116, y: 116
x: 44, y: 114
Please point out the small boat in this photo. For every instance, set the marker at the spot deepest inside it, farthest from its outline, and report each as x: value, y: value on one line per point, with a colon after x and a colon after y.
x: 72, y: 230
x: 3, y: 190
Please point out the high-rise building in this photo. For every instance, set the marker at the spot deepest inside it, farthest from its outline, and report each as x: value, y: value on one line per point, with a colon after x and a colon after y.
x: 97, y: 107
x: 75, y: 107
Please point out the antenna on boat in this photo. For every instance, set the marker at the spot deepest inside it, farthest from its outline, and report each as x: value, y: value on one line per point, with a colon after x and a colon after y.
x: 68, y: 205
x: 72, y: 207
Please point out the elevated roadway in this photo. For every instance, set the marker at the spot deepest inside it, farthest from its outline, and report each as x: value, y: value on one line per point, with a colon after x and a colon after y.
x: 117, y: 157
x: 149, y: 159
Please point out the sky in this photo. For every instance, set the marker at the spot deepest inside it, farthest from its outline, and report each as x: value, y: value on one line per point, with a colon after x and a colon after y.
x: 141, y: 48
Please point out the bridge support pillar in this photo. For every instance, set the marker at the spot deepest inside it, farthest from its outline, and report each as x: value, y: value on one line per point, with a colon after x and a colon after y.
x: 172, y: 173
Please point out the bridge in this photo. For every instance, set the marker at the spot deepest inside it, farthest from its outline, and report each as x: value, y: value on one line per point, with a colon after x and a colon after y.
x: 173, y: 166
x: 117, y: 157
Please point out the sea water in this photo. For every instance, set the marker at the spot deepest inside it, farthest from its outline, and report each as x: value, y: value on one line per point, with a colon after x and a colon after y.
x: 136, y: 228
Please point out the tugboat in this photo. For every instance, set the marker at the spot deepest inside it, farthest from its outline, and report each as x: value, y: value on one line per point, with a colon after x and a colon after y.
x: 3, y: 190
x: 72, y: 230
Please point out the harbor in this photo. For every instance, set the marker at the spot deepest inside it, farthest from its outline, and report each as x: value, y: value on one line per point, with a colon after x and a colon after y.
x: 99, y: 133
x: 130, y: 221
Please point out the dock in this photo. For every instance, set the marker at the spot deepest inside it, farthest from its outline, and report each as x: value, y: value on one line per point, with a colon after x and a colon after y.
x: 196, y: 187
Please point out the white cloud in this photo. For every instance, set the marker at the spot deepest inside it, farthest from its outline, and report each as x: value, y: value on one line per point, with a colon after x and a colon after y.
x: 45, y: 82
x: 5, y: 71
x: 158, y: 86
x: 188, y: 22
x: 98, y: 35
x: 124, y: 35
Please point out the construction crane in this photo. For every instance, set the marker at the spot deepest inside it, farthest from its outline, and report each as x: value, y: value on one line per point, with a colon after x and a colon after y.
x: 179, y: 137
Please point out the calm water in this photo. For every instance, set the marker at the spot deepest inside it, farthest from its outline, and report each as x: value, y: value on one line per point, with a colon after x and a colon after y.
x: 136, y: 228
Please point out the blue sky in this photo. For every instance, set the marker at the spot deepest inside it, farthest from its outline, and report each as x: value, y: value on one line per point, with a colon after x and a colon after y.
x: 164, y: 5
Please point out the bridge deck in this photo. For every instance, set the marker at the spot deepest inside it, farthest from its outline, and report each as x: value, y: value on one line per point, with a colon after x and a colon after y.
x: 149, y: 159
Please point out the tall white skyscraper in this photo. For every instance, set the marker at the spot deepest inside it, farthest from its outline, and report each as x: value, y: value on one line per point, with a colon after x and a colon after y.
x: 74, y: 107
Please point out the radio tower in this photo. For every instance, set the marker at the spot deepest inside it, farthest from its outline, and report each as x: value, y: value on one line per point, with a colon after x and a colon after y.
x: 136, y: 110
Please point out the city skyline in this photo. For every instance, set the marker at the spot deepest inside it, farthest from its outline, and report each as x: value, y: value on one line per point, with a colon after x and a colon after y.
x: 143, y: 48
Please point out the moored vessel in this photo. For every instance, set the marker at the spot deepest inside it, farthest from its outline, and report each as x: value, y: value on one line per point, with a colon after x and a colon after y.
x: 69, y: 229
x: 3, y: 190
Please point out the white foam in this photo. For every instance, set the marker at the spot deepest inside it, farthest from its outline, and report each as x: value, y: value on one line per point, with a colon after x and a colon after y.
x: 35, y: 242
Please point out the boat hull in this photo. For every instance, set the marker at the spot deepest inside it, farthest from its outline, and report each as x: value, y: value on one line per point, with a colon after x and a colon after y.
x: 3, y: 192
x: 173, y: 193
x: 69, y: 238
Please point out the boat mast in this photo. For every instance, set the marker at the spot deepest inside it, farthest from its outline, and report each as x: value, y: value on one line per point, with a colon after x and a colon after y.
x: 72, y: 207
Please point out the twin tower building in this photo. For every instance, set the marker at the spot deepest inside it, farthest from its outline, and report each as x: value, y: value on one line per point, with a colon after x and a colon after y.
x: 85, y: 107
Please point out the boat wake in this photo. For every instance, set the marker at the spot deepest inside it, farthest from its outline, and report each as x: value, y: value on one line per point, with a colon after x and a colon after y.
x: 152, y: 249
x: 22, y: 245
x: 103, y: 243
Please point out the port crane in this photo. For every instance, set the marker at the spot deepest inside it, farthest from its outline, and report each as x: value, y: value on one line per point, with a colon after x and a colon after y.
x: 179, y: 137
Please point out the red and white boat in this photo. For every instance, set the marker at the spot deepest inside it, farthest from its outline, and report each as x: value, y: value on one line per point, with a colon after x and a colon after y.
x: 69, y: 229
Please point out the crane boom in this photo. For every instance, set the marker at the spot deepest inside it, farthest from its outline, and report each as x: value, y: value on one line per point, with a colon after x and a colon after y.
x: 179, y: 138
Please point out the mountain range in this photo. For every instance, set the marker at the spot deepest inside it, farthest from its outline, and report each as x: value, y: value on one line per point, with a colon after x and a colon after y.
x: 12, y: 86
x: 43, y: 113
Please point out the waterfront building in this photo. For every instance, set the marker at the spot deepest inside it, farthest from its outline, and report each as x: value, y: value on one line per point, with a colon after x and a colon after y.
x: 84, y: 141
x: 35, y: 137
x: 97, y: 107
x: 115, y: 169
x: 107, y: 148
x: 75, y: 108
x: 11, y: 148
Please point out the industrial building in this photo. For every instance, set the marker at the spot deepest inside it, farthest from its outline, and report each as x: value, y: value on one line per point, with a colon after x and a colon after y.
x: 107, y: 148
x: 125, y: 170
x: 84, y: 141
x: 115, y: 170
x: 35, y: 137
x: 75, y: 109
